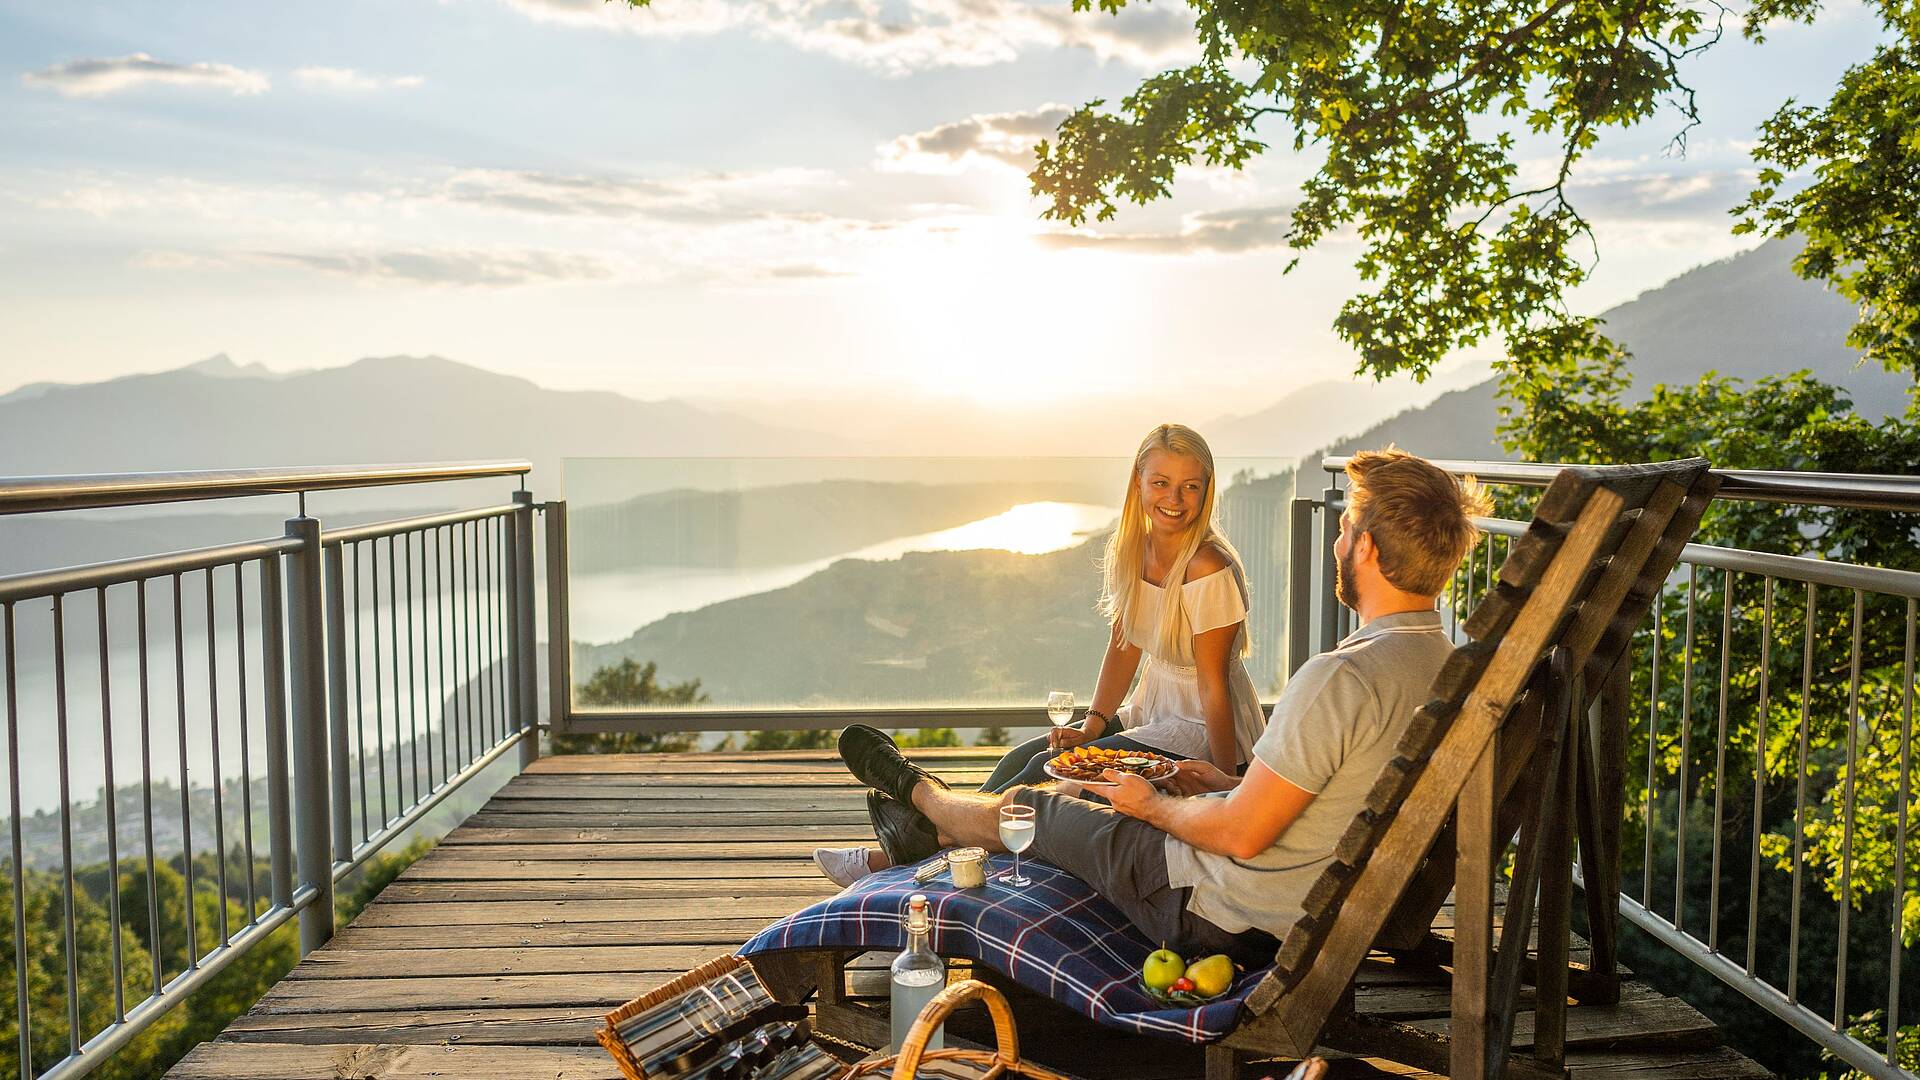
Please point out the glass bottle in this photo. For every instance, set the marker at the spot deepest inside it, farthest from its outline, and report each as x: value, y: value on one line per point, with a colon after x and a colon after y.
x: 918, y: 975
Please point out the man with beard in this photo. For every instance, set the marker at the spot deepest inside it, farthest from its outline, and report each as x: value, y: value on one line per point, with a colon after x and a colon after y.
x: 1224, y: 864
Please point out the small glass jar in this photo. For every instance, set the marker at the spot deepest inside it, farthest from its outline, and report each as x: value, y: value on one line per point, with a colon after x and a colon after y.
x: 969, y: 867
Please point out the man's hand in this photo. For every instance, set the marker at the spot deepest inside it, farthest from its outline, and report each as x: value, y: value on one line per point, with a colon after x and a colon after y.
x: 1197, y: 778
x: 1128, y: 793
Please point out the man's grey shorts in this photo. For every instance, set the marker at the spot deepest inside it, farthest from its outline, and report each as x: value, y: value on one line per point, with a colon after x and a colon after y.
x: 1125, y: 860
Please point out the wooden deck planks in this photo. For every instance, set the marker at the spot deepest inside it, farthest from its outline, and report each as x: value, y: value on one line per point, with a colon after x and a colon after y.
x: 590, y: 879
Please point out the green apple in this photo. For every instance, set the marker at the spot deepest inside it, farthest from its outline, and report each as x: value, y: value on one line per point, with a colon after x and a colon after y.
x: 1212, y: 976
x: 1162, y: 967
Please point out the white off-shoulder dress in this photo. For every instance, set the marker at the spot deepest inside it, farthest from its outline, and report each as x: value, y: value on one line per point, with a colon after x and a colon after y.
x: 1165, y: 711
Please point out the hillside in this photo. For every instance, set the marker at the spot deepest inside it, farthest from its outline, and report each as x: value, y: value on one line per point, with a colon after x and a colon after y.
x: 930, y: 627
x: 1748, y: 316
x: 787, y: 523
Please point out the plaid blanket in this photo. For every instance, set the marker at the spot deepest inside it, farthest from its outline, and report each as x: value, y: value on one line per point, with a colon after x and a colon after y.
x: 1055, y: 937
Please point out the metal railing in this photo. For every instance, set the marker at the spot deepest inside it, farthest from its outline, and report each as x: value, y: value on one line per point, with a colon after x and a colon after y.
x: 1771, y: 697
x: 252, y: 671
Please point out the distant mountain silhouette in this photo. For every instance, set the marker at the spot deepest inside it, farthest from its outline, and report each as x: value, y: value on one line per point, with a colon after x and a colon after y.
x: 216, y: 414
x: 1312, y: 417
x: 1748, y: 316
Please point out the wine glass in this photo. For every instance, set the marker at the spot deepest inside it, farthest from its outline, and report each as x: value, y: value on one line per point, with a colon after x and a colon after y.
x: 1060, y: 708
x: 1016, y: 835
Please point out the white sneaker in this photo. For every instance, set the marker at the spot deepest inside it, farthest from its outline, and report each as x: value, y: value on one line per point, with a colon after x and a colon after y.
x: 842, y: 866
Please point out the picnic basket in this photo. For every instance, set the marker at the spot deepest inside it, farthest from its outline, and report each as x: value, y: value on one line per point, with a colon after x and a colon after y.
x: 1002, y: 1061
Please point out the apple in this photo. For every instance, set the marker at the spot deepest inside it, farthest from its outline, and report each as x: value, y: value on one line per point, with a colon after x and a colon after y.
x: 1211, y: 976
x: 1183, y: 984
x: 1162, y: 969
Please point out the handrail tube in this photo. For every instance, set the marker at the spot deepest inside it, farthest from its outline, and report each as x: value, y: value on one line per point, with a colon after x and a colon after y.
x: 371, y: 846
x: 1777, y: 1004
x: 1880, y: 579
x: 39, y: 494
x: 1856, y: 491
x: 381, y: 529
x: 39, y: 584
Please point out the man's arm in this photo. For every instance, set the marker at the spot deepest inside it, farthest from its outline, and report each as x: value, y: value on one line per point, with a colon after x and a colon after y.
x: 1242, y: 825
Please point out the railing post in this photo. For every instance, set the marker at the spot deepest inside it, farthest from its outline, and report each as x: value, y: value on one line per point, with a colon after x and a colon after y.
x: 273, y: 645
x: 1331, y: 508
x: 520, y: 615
x: 307, y: 659
x: 337, y: 662
x: 1300, y: 586
x: 559, y: 634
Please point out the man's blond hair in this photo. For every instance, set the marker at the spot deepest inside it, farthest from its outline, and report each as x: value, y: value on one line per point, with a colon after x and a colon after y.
x: 1419, y: 516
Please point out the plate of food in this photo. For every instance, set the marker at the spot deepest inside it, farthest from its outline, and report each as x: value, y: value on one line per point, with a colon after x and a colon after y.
x: 1085, y: 764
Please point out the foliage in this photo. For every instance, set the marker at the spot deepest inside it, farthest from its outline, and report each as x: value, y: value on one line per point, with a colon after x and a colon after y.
x: 1785, y: 422
x: 1859, y: 159
x: 993, y: 736
x: 1416, y: 113
x: 629, y: 684
x: 933, y: 736
x: 154, y: 944
x: 815, y: 739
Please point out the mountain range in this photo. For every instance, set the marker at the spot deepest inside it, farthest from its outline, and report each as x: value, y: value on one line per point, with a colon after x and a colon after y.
x: 218, y: 415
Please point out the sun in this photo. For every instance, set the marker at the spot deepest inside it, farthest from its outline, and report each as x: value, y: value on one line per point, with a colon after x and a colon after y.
x: 986, y: 313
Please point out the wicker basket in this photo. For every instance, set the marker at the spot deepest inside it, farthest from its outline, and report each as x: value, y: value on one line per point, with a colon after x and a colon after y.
x: 1004, y: 1061
x: 609, y: 1035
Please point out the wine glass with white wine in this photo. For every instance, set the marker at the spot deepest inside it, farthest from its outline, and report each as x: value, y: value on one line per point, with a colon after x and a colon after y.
x: 1060, y: 709
x: 1016, y: 835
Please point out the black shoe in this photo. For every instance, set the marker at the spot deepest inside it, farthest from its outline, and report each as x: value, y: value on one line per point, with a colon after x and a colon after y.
x: 876, y: 762
x: 905, y: 834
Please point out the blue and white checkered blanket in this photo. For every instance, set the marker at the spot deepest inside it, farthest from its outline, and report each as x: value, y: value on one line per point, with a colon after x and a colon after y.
x: 1055, y: 937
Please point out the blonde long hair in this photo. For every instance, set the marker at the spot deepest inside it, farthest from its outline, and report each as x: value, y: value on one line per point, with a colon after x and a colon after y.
x: 1126, y: 558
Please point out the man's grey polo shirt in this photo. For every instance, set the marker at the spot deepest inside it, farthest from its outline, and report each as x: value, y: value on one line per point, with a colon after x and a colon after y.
x: 1335, y: 725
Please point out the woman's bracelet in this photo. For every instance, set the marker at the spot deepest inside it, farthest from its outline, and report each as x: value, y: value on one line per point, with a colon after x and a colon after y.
x: 1105, y: 720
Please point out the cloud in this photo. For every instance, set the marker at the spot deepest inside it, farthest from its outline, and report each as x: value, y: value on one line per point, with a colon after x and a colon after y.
x: 896, y: 37
x: 99, y: 78
x: 351, y: 81
x: 999, y: 138
x: 1662, y: 197
x: 471, y: 269
x: 1218, y: 232
x: 710, y: 198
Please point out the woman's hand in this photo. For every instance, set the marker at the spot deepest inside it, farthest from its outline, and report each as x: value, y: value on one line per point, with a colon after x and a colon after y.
x: 1066, y: 738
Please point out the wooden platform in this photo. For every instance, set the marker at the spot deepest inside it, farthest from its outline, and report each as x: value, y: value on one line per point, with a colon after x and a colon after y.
x: 589, y: 879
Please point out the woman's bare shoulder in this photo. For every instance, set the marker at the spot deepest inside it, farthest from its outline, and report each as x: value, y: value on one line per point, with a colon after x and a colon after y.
x: 1208, y: 560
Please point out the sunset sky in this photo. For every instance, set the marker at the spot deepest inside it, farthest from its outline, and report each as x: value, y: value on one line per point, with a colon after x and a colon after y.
x: 710, y: 198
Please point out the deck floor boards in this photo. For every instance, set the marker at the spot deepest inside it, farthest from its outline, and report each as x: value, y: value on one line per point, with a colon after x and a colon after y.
x: 589, y: 879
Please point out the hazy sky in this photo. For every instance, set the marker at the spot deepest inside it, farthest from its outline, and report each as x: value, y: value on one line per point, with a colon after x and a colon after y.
x: 762, y: 198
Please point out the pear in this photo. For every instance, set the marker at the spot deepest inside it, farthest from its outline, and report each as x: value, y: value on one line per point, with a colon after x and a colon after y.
x: 1162, y: 968
x: 1211, y: 976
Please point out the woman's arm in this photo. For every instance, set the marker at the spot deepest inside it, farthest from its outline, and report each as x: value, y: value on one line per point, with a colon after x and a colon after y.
x: 1117, y: 668
x: 1212, y: 652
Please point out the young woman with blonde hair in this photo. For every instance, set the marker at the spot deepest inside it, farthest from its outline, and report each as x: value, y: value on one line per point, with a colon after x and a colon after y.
x: 1175, y: 595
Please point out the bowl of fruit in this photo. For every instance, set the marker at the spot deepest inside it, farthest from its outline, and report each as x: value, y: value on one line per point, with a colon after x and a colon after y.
x: 1170, y: 980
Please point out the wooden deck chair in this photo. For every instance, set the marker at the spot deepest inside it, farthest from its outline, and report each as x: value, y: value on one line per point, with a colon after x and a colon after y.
x: 1499, y: 751
x: 1566, y: 602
